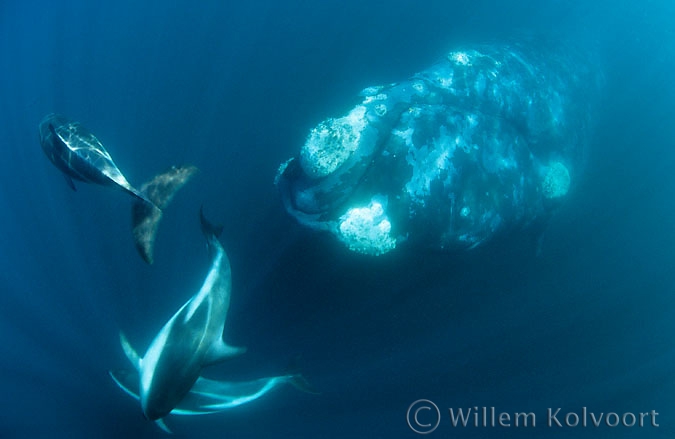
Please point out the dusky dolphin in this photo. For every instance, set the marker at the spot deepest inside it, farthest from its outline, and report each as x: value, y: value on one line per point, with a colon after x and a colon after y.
x: 167, y: 378
x: 211, y: 396
x: 80, y: 156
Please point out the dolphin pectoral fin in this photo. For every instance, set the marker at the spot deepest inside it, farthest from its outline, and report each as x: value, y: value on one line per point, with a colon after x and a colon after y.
x: 153, y: 196
x: 69, y: 182
x: 227, y: 351
x: 220, y: 351
x: 160, y: 423
x: 130, y: 352
x: 127, y: 380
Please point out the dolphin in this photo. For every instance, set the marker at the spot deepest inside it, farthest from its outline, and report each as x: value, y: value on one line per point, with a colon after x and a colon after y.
x: 190, y: 340
x: 167, y: 378
x: 211, y: 396
x: 80, y: 156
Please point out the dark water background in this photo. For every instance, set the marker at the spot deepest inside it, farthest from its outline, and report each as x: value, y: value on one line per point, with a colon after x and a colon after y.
x: 234, y: 88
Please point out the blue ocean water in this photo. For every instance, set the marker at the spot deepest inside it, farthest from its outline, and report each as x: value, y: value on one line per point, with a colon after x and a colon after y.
x: 234, y: 89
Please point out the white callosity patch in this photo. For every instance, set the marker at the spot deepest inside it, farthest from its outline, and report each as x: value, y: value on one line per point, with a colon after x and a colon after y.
x: 380, y: 109
x: 331, y: 143
x: 556, y: 181
x: 405, y: 135
x: 367, y: 229
x: 371, y: 91
x: 377, y: 97
x: 419, y: 87
x: 461, y: 58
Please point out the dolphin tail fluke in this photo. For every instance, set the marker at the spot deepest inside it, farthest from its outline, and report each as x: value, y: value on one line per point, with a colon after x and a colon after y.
x: 300, y: 382
x: 146, y: 212
x: 297, y: 379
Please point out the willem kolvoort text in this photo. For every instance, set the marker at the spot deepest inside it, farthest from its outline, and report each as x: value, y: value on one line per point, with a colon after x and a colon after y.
x: 490, y: 417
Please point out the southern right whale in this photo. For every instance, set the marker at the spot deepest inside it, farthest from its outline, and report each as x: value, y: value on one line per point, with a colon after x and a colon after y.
x: 80, y: 156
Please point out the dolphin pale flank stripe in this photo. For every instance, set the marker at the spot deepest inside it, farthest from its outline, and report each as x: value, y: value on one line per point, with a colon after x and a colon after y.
x: 211, y: 396
x: 167, y: 380
x: 191, y: 339
x: 80, y: 156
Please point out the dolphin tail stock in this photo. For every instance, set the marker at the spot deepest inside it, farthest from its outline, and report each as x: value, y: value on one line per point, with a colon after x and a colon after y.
x: 146, y: 211
x: 210, y: 231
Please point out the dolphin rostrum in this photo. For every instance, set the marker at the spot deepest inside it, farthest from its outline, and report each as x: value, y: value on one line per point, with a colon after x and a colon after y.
x: 80, y: 156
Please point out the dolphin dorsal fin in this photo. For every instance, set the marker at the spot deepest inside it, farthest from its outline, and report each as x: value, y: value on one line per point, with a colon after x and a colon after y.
x: 220, y: 351
x: 130, y: 352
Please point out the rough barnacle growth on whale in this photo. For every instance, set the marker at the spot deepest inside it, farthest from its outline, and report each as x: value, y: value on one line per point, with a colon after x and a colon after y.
x: 556, y: 181
x: 367, y: 229
x: 332, y: 142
